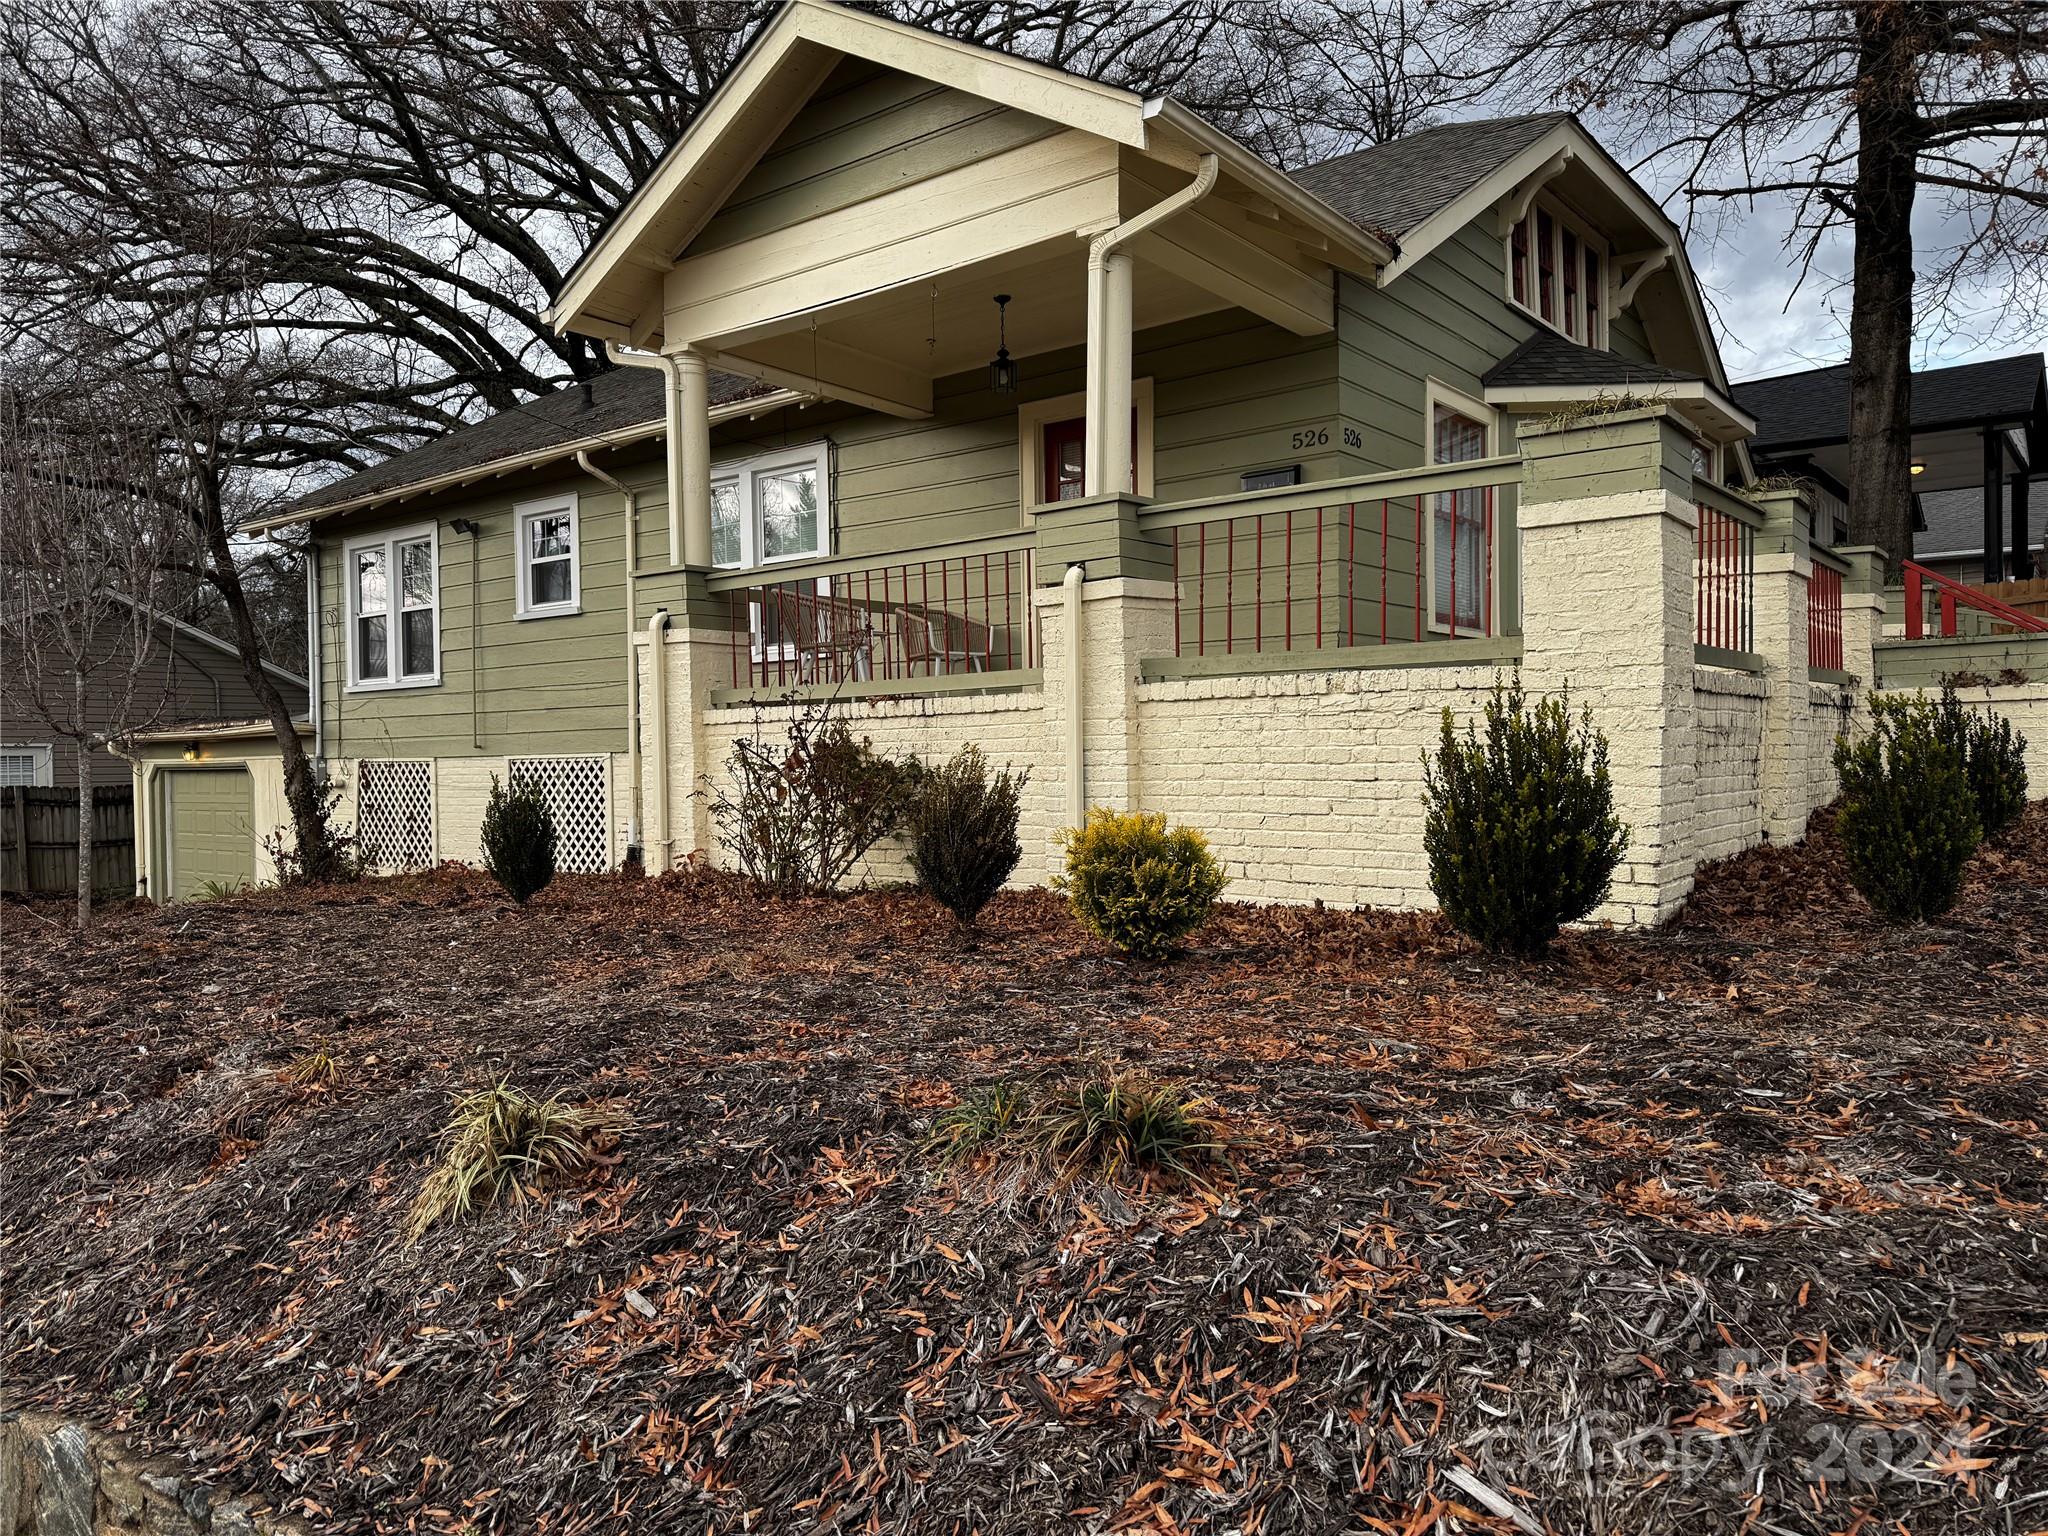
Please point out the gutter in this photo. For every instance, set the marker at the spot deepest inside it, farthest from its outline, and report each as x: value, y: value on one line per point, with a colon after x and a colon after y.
x: 631, y: 499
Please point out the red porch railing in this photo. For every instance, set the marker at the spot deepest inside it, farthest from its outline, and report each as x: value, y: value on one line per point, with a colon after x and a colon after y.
x: 1724, y: 580
x: 1922, y: 584
x: 1372, y: 561
x: 1824, y: 618
x: 958, y: 610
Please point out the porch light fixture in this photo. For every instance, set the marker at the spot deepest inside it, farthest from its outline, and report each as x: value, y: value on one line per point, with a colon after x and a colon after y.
x: 1002, y: 373
x: 191, y: 751
x: 1919, y: 466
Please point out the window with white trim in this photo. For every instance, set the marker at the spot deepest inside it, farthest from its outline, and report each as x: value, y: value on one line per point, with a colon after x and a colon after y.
x: 1558, y: 271
x: 550, y: 574
x: 1460, y: 553
x: 773, y: 506
x: 394, y: 609
x: 26, y: 764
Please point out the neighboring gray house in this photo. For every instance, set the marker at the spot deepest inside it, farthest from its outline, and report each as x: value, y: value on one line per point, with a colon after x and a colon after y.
x: 202, y: 677
x: 1950, y: 535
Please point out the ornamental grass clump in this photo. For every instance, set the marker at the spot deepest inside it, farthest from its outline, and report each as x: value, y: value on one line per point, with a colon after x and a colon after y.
x: 18, y: 1066
x: 963, y: 833
x: 1994, y: 760
x: 1138, y: 884
x: 503, y: 1143
x: 519, y: 838
x: 1110, y: 1122
x: 1519, y: 824
x: 1908, y: 818
x: 977, y: 1122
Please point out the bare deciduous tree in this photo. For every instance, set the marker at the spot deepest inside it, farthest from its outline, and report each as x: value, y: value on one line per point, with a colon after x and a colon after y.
x: 90, y: 533
x: 1848, y: 109
x: 323, y: 230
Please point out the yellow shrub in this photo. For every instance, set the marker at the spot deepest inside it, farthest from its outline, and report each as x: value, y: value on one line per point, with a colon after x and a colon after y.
x: 1137, y: 884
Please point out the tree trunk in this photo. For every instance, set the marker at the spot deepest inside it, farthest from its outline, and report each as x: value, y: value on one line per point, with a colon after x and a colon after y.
x: 313, y: 838
x: 84, y: 804
x: 1881, y: 303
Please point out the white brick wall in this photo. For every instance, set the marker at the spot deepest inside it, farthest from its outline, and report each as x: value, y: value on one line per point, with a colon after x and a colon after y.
x: 2026, y: 706
x: 1308, y: 784
x: 1728, y: 740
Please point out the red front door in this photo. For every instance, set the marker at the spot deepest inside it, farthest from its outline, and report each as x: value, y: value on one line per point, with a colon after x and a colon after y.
x: 1065, y: 458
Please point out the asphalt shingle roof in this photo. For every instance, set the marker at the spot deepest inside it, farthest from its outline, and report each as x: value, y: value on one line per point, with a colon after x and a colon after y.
x: 1955, y: 520
x: 1547, y: 358
x: 618, y: 398
x: 1392, y: 187
x: 1813, y: 406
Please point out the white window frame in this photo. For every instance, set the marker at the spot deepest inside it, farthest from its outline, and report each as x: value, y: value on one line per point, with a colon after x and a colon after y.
x: 525, y: 512
x: 1436, y: 393
x: 1035, y: 415
x: 745, y: 473
x: 394, y: 608
x: 1561, y: 217
x: 42, y: 774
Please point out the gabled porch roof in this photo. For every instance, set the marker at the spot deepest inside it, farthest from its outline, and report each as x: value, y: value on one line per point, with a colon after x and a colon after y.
x: 868, y: 302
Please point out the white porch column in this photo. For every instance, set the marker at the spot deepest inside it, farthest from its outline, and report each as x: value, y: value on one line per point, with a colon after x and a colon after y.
x: 1107, y: 466
x: 689, y: 460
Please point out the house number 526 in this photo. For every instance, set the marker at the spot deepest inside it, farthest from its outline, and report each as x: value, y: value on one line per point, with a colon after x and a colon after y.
x: 1319, y: 437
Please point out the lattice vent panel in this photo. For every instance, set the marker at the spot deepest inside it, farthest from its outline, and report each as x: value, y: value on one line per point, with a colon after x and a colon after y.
x: 574, y: 788
x: 395, y: 815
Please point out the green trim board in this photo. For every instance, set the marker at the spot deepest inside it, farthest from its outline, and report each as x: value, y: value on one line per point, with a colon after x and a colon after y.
x: 1016, y: 680
x: 1923, y: 663
x: 1503, y: 650
x: 1733, y: 661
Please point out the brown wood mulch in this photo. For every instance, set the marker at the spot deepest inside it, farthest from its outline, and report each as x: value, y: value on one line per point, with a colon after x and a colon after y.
x: 1736, y: 1226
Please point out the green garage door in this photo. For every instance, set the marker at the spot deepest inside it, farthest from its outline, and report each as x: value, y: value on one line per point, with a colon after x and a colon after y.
x: 209, y: 829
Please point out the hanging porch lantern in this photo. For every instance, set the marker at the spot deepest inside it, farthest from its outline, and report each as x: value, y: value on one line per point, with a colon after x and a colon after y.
x: 1002, y: 372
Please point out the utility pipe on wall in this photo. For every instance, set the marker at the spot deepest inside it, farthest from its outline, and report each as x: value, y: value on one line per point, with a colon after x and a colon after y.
x: 1108, y: 446
x: 631, y: 501
x: 657, y: 733
x: 687, y: 419
x: 1077, y: 785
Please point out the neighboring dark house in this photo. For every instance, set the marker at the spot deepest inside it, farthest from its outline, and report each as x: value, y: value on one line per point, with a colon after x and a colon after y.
x: 1950, y: 535
x: 204, y: 678
x: 1980, y: 435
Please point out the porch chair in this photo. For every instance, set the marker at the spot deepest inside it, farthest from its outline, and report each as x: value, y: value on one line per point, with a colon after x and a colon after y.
x: 831, y: 637
x: 945, y: 643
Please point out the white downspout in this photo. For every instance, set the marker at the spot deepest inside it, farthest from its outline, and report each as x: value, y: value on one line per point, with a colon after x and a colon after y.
x: 672, y: 418
x: 1077, y: 786
x: 657, y: 733
x: 631, y: 500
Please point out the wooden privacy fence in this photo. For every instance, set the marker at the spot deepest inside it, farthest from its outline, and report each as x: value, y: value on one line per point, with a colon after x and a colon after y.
x: 39, y: 841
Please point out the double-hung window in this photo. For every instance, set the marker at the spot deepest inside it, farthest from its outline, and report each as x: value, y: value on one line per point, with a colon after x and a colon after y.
x: 1558, y: 272
x: 774, y: 506
x: 394, y: 609
x: 550, y: 577
x: 1460, y: 556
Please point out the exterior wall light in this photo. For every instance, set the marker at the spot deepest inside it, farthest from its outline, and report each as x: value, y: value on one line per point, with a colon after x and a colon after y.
x: 1003, y: 372
x: 1919, y: 466
x: 191, y: 751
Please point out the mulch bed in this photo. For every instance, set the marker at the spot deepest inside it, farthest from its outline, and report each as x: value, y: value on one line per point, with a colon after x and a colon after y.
x: 1736, y: 1226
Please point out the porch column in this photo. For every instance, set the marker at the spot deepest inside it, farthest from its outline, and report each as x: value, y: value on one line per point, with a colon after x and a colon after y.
x: 689, y: 461
x: 2022, y: 557
x: 1994, y: 504
x: 1784, y: 578
x: 1107, y: 462
x: 1608, y: 529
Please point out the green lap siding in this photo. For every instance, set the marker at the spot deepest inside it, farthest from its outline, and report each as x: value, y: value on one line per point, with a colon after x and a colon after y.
x: 543, y: 685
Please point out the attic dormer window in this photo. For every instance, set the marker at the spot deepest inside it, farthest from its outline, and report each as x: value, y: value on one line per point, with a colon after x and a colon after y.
x: 1557, y: 272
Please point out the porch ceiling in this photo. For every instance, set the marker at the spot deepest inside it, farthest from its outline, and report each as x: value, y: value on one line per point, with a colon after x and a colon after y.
x: 1954, y: 459
x: 885, y: 348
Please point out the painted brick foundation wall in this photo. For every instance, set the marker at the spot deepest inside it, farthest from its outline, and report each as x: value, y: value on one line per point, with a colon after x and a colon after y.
x: 1307, y: 784
x: 1833, y: 709
x: 462, y: 787
x: 2026, y: 706
x: 1010, y: 728
x: 1728, y: 744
